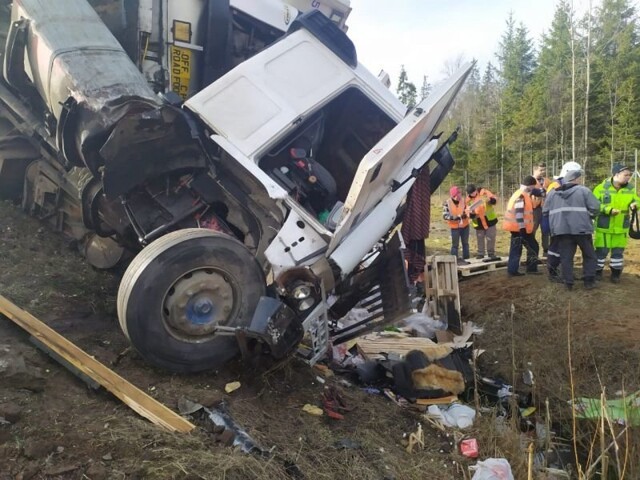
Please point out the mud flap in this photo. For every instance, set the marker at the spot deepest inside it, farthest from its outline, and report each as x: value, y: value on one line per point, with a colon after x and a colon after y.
x: 276, y: 325
x: 382, y: 289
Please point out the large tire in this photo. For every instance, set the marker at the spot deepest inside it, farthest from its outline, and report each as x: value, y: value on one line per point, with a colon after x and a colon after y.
x: 179, y: 288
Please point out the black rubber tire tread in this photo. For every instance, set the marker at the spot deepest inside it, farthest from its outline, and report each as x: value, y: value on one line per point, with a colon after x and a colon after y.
x: 156, y: 268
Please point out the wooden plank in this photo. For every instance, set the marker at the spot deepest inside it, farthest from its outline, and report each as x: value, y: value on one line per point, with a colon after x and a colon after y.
x: 371, y: 346
x: 131, y: 395
x: 437, y: 401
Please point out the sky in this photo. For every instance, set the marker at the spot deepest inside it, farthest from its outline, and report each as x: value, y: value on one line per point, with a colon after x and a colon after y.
x: 423, y: 35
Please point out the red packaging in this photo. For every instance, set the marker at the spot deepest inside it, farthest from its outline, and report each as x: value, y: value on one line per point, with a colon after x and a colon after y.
x: 469, y: 447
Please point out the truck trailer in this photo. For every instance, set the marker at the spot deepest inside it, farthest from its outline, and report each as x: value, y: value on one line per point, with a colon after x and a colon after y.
x: 236, y: 155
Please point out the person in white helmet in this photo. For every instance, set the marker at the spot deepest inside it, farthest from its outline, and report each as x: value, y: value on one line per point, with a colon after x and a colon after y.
x: 553, y: 253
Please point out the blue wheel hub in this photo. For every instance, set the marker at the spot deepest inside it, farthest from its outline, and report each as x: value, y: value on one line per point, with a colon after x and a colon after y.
x: 198, y: 302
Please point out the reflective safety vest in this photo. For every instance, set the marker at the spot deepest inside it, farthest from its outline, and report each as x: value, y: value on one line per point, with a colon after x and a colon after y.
x: 457, y: 211
x: 482, y: 208
x: 553, y: 185
x: 537, y: 201
x: 620, y: 199
x: 510, y: 222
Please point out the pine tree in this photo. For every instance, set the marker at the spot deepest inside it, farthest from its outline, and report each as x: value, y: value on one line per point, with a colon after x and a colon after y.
x: 425, y: 89
x: 616, y: 67
x: 406, y: 90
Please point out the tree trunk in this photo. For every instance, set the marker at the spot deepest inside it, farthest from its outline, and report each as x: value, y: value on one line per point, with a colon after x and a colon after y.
x: 573, y: 88
x: 586, y: 94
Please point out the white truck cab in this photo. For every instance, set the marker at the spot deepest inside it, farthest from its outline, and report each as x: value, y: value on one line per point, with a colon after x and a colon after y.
x: 259, y: 210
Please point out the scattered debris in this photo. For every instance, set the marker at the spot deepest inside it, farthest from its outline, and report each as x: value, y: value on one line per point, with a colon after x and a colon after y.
x: 456, y: 415
x: 493, y: 469
x: 623, y: 411
x: 232, y: 387
x: 236, y: 435
x: 312, y: 410
x: 374, y: 345
x: 469, y: 448
x: 416, y: 439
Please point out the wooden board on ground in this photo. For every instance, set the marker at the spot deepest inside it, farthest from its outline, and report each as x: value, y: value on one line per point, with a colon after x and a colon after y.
x: 437, y: 401
x: 374, y: 345
x: 477, y: 267
x: 131, y: 395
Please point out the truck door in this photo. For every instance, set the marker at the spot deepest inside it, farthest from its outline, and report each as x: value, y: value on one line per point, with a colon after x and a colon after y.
x: 375, y: 194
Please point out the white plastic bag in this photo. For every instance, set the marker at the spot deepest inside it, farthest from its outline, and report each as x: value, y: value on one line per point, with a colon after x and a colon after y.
x: 456, y: 415
x: 493, y: 469
x: 423, y: 325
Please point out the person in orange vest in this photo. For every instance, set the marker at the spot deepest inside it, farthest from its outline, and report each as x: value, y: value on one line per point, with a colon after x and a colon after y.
x: 454, y: 211
x: 540, y: 174
x: 480, y: 206
x: 518, y: 219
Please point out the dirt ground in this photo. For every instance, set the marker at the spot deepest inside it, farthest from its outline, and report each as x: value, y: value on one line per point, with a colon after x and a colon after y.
x: 59, y: 428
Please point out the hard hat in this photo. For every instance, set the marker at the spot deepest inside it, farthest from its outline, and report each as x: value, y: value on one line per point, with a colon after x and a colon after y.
x: 570, y: 167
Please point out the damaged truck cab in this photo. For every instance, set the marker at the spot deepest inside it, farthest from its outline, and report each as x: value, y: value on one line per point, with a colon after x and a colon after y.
x: 260, y: 210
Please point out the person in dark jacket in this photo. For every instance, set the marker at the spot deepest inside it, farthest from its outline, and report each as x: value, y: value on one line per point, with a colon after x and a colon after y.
x: 571, y: 209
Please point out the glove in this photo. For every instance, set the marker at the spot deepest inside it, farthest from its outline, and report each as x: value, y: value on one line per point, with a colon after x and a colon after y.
x: 493, y: 201
x: 613, y: 212
x: 473, y: 215
x: 456, y: 217
x: 464, y: 216
x: 523, y: 232
x: 633, y: 207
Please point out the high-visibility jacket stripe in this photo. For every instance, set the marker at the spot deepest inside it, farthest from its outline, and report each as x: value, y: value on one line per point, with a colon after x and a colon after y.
x: 567, y: 209
x: 511, y: 223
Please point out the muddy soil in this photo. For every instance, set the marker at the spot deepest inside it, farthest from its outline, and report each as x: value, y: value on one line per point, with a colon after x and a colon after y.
x: 55, y: 426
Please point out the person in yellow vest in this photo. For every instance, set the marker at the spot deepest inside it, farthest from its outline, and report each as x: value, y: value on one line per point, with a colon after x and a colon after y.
x: 617, y: 200
x: 480, y: 207
x: 454, y: 211
x: 540, y: 174
x: 518, y: 219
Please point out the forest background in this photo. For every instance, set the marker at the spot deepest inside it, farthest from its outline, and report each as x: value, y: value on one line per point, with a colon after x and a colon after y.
x: 576, y: 97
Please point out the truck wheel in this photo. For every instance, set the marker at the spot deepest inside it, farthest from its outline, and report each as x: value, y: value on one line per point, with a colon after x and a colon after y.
x: 179, y: 289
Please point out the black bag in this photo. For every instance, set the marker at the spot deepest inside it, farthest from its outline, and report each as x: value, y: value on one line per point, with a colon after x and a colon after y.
x: 634, y: 227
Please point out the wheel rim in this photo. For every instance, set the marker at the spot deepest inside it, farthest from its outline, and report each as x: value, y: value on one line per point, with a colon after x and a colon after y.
x: 198, y: 302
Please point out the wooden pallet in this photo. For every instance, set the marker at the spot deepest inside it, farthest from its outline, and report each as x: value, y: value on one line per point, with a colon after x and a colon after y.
x: 441, y: 289
x: 477, y: 267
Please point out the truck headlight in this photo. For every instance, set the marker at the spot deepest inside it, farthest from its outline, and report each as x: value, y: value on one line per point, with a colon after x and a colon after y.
x: 301, y: 292
x: 306, y: 304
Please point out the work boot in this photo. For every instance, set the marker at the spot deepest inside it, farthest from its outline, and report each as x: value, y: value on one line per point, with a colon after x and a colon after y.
x: 479, y: 257
x: 589, y: 283
x: 615, y: 275
x: 598, y: 275
x: 461, y: 261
